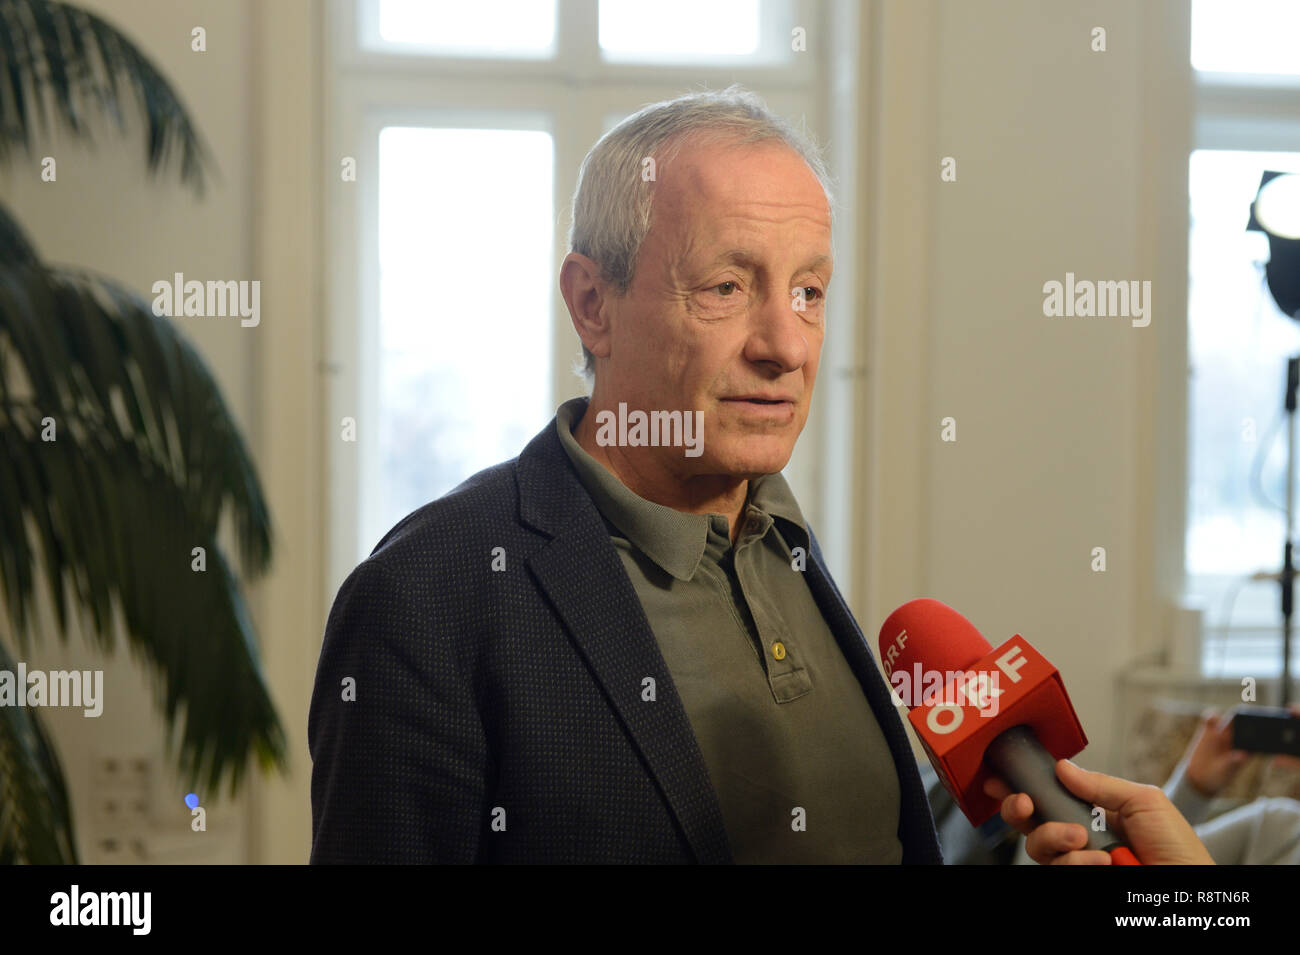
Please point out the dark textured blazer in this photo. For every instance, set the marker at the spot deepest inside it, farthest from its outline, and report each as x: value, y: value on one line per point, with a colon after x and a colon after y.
x: 498, y: 714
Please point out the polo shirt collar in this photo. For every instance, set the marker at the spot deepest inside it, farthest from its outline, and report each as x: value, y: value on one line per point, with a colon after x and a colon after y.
x: 674, y: 540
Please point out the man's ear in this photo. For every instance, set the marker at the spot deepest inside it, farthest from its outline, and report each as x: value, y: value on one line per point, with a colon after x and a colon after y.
x: 587, y: 297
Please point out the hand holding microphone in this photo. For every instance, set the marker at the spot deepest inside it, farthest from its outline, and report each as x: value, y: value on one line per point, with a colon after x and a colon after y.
x: 982, y: 712
x: 1141, y: 816
x: 992, y: 717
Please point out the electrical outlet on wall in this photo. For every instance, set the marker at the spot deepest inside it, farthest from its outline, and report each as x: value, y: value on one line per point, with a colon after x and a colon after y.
x: 115, y: 850
x: 122, y: 788
x: 135, y: 817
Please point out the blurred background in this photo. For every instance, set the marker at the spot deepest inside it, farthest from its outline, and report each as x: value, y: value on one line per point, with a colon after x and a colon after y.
x: 395, y: 175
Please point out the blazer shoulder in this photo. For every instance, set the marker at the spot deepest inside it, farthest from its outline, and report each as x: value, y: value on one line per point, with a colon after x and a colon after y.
x: 427, y: 561
x: 483, y: 506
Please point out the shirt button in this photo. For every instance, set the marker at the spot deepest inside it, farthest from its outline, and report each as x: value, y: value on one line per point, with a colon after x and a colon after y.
x: 778, y: 650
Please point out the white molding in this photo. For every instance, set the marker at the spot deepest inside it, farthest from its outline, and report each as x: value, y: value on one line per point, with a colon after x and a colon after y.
x: 898, y: 171
x: 1162, y: 365
x: 288, y: 251
x: 1242, y: 130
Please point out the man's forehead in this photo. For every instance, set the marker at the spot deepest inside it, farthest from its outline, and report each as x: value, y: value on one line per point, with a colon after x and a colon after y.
x: 707, y: 213
x: 775, y: 176
x: 749, y: 257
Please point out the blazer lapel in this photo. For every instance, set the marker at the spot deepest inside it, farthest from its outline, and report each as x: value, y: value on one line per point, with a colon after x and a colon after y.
x: 581, y: 574
x: 916, y: 824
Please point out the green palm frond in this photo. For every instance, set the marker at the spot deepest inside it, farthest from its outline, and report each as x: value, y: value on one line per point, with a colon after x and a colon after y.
x: 57, y: 58
x: 35, y: 819
x: 144, y: 463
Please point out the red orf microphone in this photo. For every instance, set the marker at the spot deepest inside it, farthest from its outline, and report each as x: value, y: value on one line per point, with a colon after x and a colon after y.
x: 981, y: 711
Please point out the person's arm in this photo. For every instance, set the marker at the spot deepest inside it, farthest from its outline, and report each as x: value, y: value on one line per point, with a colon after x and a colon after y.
x: 1208, y: 766
x: 1186, y: 797
x: 399, y: 774
x: 1142, y: 817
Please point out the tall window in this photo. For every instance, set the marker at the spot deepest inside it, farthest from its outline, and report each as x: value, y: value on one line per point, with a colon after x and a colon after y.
x: 453, y: 205
x: 465, y: 124
x: 1247, y: 121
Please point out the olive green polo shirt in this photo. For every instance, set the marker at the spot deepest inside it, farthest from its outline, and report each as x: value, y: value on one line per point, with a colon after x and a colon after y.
x: 802, y: 770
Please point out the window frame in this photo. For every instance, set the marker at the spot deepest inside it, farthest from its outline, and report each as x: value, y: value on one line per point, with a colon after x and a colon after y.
x: 575, y: 56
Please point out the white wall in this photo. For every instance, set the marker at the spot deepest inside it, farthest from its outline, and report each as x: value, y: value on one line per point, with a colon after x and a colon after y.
x: 1068, y: 436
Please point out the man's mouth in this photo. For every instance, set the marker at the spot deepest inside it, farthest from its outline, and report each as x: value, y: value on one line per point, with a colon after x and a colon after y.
x: 768, y: 409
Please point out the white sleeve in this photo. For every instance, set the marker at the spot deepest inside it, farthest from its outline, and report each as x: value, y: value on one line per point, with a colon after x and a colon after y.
x: 1187, y: 799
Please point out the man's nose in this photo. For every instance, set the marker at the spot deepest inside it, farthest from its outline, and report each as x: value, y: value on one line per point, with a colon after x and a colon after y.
x: 779, y: 331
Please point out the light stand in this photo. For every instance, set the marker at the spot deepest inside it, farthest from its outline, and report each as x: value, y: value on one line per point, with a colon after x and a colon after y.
x: 1276, y: 213
x: 1288, y: 567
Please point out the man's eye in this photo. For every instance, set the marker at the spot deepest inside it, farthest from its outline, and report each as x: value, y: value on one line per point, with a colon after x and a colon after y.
x: 729, y: 286
x: 811, y: 293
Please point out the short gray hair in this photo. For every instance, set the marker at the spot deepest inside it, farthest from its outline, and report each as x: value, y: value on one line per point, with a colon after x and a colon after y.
x: 611, y: 206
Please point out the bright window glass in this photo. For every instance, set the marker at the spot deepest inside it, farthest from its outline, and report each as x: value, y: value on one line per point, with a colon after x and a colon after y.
x: 465, y: 278
x: 1238, y: 343
x: 1246, y: 36
x: 679, y: 29
x: 478, y: 28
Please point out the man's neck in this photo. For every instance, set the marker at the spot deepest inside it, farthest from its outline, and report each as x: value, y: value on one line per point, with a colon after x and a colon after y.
x: 642, y: 472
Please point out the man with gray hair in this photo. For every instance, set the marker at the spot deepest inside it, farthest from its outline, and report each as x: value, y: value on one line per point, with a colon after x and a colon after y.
x: 624, y: 645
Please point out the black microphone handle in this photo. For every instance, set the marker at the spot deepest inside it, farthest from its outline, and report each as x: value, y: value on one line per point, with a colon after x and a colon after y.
x: 1019, y: 758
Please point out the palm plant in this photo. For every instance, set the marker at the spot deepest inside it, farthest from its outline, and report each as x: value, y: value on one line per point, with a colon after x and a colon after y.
x: 145, y: 462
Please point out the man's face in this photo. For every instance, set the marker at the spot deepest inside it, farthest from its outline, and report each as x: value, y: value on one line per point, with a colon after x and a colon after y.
x: 738, y: 234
